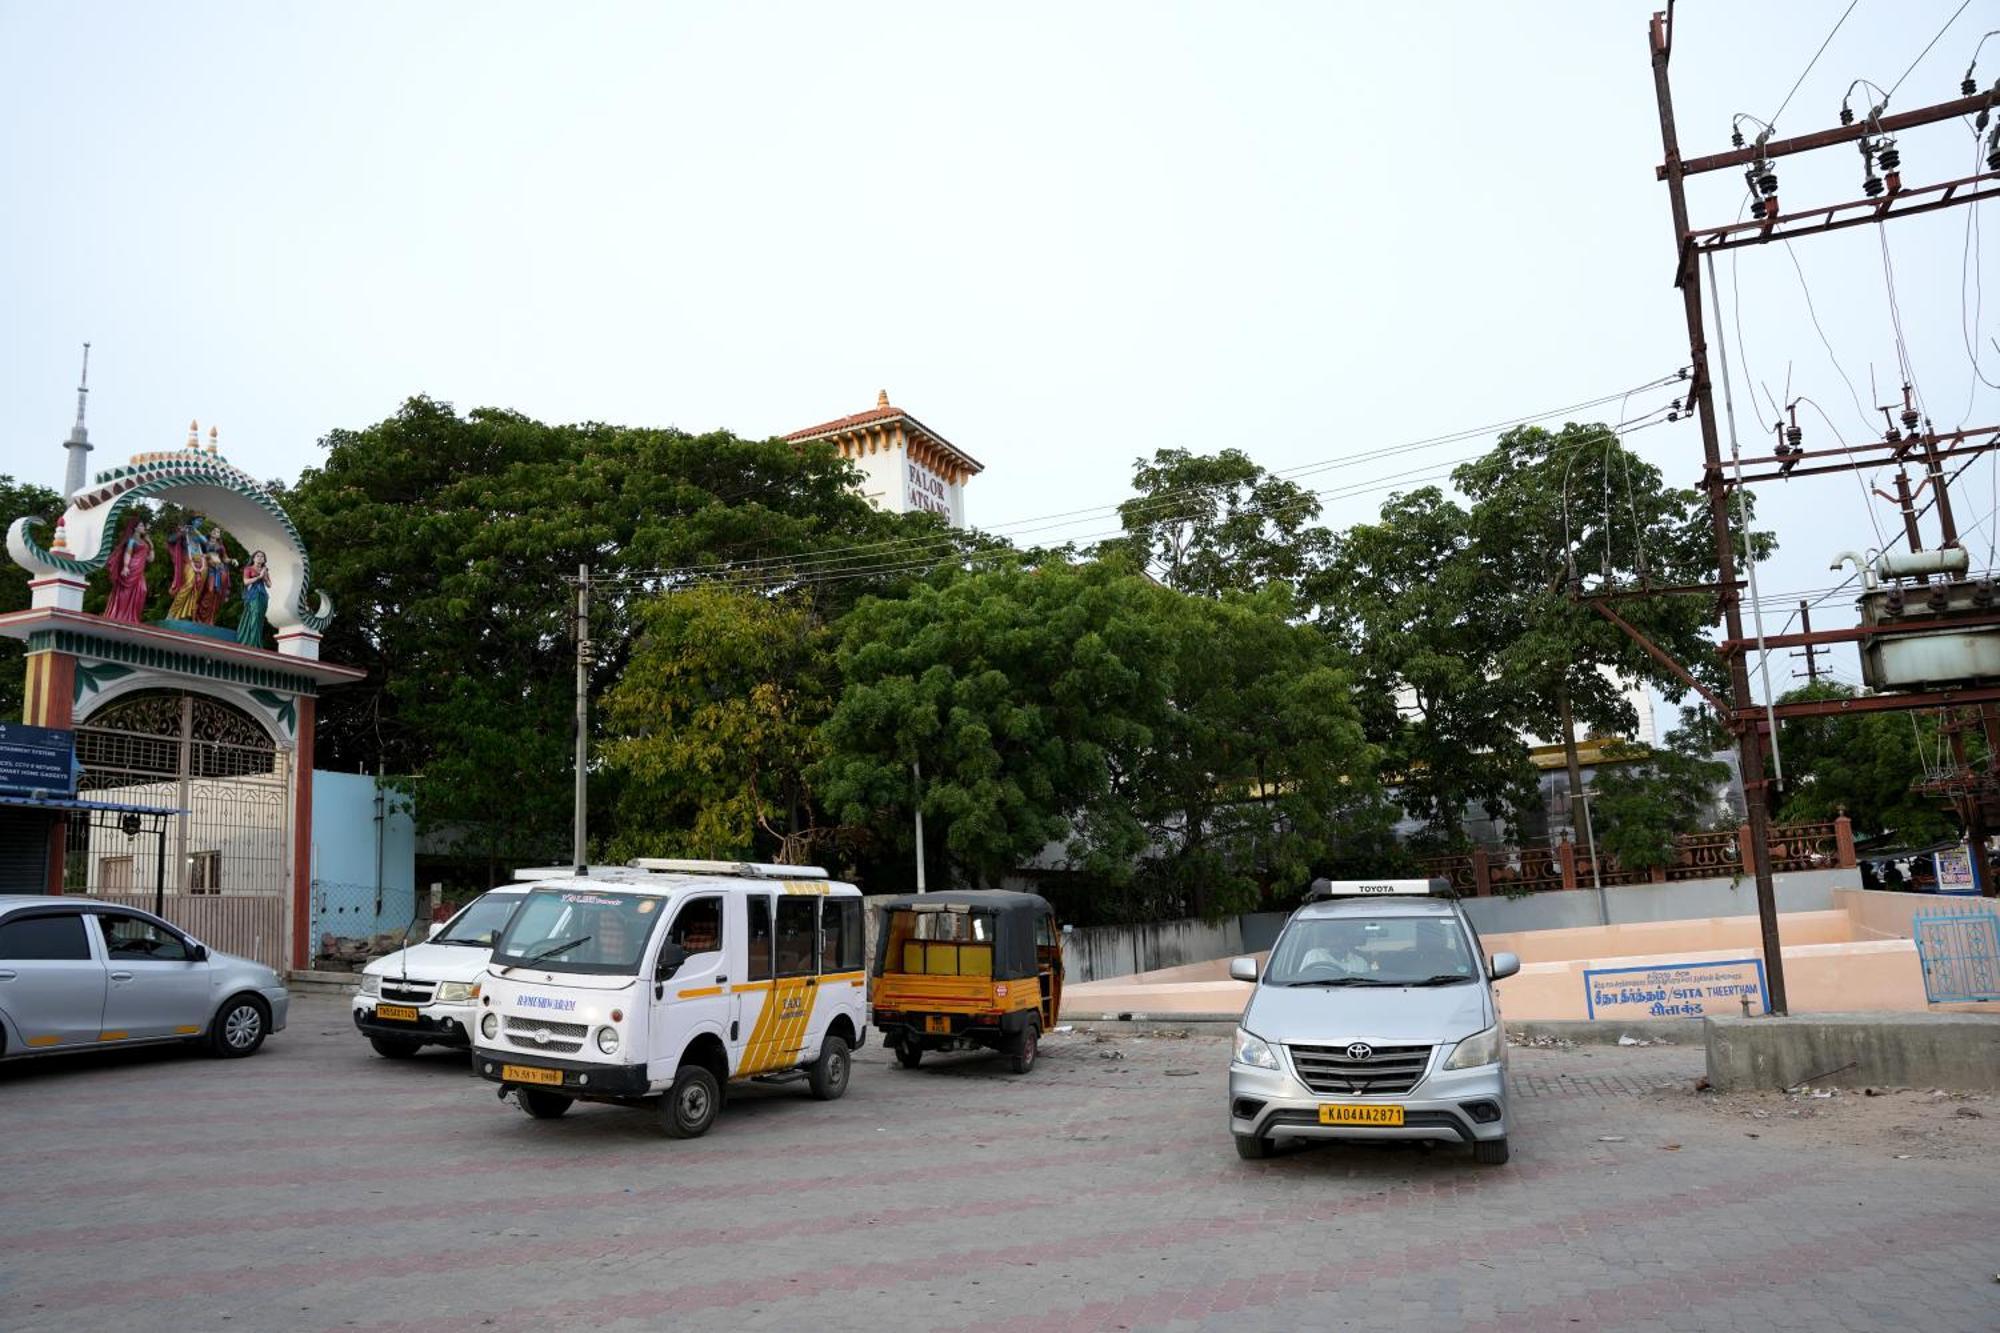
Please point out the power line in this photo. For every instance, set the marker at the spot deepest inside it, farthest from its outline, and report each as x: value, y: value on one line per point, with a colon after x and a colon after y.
x: 1814, y: 61
x: 1927, y: 49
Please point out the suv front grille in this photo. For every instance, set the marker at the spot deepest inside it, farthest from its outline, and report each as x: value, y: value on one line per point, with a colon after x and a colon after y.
x: 410, y: 991
x: 565, y: 1037
x: 1387, y: 1071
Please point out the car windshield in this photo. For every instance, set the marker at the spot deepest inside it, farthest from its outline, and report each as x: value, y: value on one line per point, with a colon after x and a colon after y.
x: 481, y: 921
x: 578, y: 930
x: 1378, y: 951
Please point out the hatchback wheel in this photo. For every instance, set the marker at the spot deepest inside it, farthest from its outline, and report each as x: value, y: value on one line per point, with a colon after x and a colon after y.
x: 240, y: 1027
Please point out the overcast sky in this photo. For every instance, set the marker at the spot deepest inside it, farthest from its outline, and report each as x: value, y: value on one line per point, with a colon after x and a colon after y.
x: 1063, y: 235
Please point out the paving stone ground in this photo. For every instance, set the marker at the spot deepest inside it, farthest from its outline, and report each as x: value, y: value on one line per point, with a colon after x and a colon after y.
x: 317, y: 1187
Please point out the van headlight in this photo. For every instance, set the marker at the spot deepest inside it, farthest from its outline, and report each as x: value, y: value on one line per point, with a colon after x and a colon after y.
x: 607, y: 1040
x: 455, y: 991
x: 1254, y: 1051
x: 371, y: 984
x: 489, y: 1026
x: 1481, y: 1048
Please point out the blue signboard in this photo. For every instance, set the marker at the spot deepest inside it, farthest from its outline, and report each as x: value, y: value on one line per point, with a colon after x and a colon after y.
x: 1675, y: 990
x: 37, y: 759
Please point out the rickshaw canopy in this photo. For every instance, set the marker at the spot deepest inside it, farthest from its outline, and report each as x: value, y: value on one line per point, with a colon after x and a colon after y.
x: 1016, y: 918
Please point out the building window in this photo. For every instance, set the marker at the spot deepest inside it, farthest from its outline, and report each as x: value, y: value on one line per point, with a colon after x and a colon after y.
x: 205, y: 872
x: 114, y: 874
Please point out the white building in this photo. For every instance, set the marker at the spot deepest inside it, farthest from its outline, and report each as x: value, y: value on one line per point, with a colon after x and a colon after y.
x: 905, y: 465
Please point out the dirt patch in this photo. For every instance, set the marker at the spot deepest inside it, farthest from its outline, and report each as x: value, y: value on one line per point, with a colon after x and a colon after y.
x: 1900, y: 1123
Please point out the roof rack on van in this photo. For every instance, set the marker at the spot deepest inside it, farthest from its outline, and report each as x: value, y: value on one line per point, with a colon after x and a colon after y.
x: 1323, y: 889
x: 738, y: 869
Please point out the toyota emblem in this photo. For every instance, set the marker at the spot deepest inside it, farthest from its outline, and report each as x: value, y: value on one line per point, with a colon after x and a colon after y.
x: 1360, y: 1050
x: 542, y: 1036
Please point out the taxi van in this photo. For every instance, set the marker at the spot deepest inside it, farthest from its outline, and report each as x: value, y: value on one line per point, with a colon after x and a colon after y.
x: 657, y: 984
x: 1375, y: 1018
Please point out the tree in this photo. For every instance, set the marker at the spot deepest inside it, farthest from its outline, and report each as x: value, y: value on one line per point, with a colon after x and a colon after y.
x: 1425, y: 617
x: 713, y: 723
x: 1642, y: 806
x: 19, y: 499
x: 1864, y: 765
x: 444, y: 540
x: 1207, y: 523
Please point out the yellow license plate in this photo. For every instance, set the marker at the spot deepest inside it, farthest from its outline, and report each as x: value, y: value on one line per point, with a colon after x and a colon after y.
x: 1385, y: 1116
x: 523, y: 1074
x: 396, y: 1013
x: 936, y: 1023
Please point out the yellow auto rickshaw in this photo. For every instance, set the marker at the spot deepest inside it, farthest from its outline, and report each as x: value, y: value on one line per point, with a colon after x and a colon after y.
x: 961, y: 971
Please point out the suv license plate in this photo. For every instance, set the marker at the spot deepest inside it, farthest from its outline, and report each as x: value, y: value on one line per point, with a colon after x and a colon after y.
x: 524, y: 1074
x: 1388, y: 1116
x: 396, y: 1013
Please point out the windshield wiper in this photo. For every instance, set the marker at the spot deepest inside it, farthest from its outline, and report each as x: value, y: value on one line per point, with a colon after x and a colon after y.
x: 1441, y: 979
x: 564, y: 947
x: 1342, y: 981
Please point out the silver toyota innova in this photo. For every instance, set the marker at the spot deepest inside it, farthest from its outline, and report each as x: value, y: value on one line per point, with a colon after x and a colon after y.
x: 1375, y: 1019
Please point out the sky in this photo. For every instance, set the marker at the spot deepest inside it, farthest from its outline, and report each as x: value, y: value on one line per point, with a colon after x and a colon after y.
x: 1064, y: 236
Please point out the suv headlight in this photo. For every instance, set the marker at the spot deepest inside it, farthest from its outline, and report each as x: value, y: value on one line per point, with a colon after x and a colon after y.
x: 607, y: 1040
x: 371, y: 984
x: 1481, y: 1048
x: 454, y: 991
x: 1254, y: 1051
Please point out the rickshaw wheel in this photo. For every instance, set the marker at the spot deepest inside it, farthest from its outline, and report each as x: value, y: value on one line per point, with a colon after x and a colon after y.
x: 908, y: 1054
x: 1022, y: 1047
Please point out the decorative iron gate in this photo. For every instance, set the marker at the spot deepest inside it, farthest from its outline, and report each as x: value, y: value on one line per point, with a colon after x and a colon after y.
x: 1960, y: 954
x: 203, y: 757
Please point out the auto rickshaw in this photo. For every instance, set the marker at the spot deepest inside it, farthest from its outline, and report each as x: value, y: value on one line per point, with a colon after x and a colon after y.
x: 961, y: 971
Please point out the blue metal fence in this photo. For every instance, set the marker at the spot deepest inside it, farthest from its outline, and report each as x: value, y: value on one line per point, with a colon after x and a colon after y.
x: 1960, y: 954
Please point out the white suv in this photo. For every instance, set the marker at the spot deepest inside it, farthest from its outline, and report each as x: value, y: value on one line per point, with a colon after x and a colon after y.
x: 423, y: 995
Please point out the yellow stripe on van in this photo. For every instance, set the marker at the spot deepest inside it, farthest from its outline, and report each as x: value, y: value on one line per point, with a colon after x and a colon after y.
x: 698, y: 992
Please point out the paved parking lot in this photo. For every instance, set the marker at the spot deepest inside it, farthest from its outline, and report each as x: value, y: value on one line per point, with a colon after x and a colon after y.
x: 318, y: 1187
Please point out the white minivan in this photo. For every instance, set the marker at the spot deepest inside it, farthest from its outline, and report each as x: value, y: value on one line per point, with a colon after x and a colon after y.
x: 658, y: 984
x: 422, y: 995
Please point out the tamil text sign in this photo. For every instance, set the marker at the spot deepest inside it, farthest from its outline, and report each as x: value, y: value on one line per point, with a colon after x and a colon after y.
x: 1675, y: 990
x: 37, y: 759
x: 1954, y: 870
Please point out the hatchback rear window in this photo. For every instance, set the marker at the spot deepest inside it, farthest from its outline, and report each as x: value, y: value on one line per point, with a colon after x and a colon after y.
x: 56, y: 938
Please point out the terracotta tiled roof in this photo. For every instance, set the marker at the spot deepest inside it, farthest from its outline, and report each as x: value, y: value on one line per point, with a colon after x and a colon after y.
x: 880, y: 414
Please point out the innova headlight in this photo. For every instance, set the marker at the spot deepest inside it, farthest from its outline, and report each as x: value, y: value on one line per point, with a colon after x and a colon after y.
x: 454, y: 992
x: 371, y: 984
x: 1254, y: 1051
x: 1481, y: 1048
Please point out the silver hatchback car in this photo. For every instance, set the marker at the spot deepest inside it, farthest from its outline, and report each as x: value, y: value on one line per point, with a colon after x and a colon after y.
x: 1374, y: 1020
x: 78, y: 974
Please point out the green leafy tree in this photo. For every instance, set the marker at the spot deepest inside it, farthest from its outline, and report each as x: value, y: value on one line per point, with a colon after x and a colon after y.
x: 711, y: 726
x: 1425, y: 618
x: 19, y: 499
x: 1209, y: 523
x: 1864, y: 764
x: 444, y: 540
x: 1643, y: 805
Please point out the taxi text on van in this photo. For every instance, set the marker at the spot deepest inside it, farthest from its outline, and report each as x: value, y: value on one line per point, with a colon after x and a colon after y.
x: 659, y: 983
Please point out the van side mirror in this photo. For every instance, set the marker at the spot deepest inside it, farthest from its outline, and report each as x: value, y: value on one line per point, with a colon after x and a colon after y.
x: 672, y: 956
x: 1243, y: 969
x: 1503, y: 965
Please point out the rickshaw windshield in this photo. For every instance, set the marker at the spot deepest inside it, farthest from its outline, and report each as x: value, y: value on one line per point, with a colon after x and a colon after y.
x: 577, y: 930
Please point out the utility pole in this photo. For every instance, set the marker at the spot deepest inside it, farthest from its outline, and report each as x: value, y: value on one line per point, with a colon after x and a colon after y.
x: 578, y: 856
x: 1811, y: 652
x: 1750, y: 746
x: 917, y: 778
x: 1596, y: 875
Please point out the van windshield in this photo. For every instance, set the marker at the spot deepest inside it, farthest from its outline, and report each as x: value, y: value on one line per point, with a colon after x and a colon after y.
x: 579, y: 930
x: 1384, y: 951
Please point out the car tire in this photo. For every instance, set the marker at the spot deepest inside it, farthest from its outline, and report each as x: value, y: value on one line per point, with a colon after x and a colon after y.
x: 908, y: 1054
x: 827, y: 1076
x: 545, y: 1105
x: 239, y: 1027
x: 394, y: 1048
x: 1254, y: 1147
x: 691, y: 1104
x: 1490, y: 1152
x: 1022, y: 1048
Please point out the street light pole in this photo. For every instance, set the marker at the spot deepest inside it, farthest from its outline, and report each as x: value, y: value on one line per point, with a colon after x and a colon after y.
x: 917, y: 775
x: 1596, y: 873
x: 578, y: 857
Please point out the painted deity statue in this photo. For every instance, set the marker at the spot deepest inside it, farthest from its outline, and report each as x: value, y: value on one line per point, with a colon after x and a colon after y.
x: 256, y: 592
x: 216, y: 580
x: 127, y: 569
x: 189, y: 548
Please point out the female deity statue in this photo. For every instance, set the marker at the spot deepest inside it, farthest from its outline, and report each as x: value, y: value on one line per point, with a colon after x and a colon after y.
x: 216, y: 580
x: 127, y: 568
x: 189, y: 549
x: 256, y: 592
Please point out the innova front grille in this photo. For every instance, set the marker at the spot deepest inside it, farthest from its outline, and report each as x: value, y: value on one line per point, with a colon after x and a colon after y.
x: 539, y: 1034
x: 1361, y: 1070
